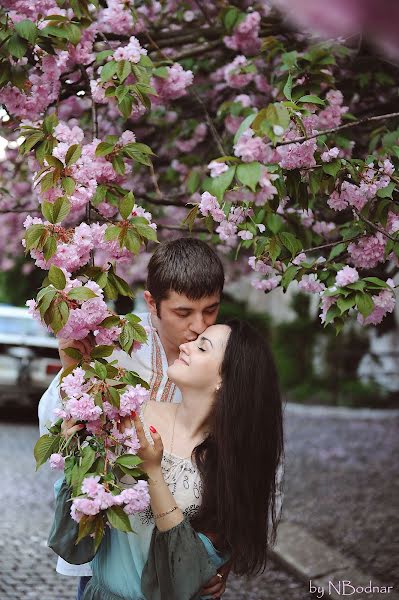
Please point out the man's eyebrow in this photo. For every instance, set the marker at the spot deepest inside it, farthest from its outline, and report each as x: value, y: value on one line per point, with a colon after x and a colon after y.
x: 206, y: 340
x: 212, y: 305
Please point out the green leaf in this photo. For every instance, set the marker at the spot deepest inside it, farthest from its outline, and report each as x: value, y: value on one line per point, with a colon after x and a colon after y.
x: 47, y: 182
x: 244, y: 126
x: 101, y: 370
x: 274, y: 248
x: 387, y: 191
x: 61, y: 208
x: 47, y: 211
x: 113, y: 397
x: 118, y: 165
x: 332, y: 168
x: 57, y: 316
x: 345, y: 304
x: 222, y: 182
x: 33, y: 235
x: 110, y: 322
x: 365, y: 304
x: 104, y: 148
x: 108, y: 70
x: 73, y: 33
x: 126, y: 337
x: 189, y: 219
x: 81, y: 293
x: 50, y: 247
x: 193, y: 182
x: 288, y: 88
x: 376, y: 281
x: 126, y: 205
x: 248, y: 174
x: 27, y: 30
x: 101, y: 351
x: 289, y: 275
x: 292, y: 243
x: 132, y: 242
x: 310, y: 99
x: 56, y: 277
x: 73, y: 353
x: 129, y: 461
x: 123, y: 70
x: 49, y: 123
x: 45, y: 446
x: 68, y: 185
x: 73, y: 154
x: 112, y: 233
x: 88, y: 458
x: 86, y: 527
x: 145, y: 231
x: 274, y: 222
x: 17, y: 46
x: 337, y: 250
x: 119, y: 519
x: 31, y: 141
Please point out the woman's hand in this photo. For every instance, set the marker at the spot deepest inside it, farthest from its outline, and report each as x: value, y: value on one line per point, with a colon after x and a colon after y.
x: 69, y: 427
x: 150, y: 454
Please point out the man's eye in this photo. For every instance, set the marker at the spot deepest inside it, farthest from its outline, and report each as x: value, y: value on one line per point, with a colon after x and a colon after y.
x: 183, y: 316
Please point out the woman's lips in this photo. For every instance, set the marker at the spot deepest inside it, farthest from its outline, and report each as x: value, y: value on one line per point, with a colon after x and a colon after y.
x: 182, y: 361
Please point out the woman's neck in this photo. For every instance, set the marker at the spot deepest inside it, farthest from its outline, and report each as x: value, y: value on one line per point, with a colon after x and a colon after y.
x: 193, y: 413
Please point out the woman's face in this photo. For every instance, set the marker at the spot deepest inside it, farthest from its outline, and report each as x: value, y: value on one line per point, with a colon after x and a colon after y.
x: 198, y: 366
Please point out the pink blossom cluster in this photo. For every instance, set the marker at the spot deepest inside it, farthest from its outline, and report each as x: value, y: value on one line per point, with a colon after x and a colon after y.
x: 357, y: 196
x: 209, y: 206
x: 310, y: 283
x: 245, y: 37
x: 24, y: 9
x: 198, y: 136
x: 57, y: 462
x: 132, y: 52
x: 268, y: 190
x: 217, y: 168
x: 238, y: 73
x: 297, y: 156
x: 331, y: 116
x: 44, y: 88
x: 134, y: 499
x: 384, y: 303
x: 174, y: 85
x: 368, y: 251
x: 250, y: 147
x: 345, y: 276
x: 117, y: 17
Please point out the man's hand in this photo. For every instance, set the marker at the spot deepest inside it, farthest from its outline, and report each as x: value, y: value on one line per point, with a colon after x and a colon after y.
x: 216, y: 586
x: 84, y: 346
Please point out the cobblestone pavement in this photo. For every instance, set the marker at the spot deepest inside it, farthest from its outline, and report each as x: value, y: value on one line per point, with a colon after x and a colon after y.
x: 340, y: 484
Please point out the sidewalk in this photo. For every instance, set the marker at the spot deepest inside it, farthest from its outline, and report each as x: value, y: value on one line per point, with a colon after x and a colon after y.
x: 341, y: 496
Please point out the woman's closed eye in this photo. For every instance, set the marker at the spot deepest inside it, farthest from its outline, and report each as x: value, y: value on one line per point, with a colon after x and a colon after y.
x: 202, y: 349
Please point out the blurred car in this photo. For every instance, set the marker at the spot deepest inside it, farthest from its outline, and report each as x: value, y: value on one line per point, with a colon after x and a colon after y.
x: 29, y: 357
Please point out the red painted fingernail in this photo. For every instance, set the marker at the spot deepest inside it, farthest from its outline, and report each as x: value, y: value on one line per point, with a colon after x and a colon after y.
x: 133, y: 414
x: 81, y: 426
x: 153, y: 429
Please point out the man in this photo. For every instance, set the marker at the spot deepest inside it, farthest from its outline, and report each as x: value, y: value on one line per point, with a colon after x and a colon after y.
x: 184, y: 286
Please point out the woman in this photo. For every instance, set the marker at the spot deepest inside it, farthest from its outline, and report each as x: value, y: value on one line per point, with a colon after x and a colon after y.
x: 212, y: 463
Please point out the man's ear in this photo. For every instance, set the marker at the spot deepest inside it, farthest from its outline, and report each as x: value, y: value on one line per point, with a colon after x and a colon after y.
x: 149, y: 300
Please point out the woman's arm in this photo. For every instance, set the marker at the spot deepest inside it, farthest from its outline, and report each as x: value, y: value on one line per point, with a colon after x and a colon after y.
x: 166, y: 513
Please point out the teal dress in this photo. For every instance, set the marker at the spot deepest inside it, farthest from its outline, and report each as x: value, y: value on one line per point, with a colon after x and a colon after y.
x: 148, y: 564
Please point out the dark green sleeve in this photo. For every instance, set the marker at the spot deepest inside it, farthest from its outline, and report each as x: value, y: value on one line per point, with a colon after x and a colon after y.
x: 178, y: 565
x: 64, y: 532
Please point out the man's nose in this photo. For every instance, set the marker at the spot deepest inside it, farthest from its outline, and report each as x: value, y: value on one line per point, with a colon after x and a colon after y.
x: 198, y: 324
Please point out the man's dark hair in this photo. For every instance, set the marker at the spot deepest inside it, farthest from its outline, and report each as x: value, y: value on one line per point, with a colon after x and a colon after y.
x: 186, y: 266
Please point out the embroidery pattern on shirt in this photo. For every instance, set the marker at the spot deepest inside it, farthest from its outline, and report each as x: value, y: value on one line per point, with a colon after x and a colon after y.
x: 156, y: 364
x: 168, y: 391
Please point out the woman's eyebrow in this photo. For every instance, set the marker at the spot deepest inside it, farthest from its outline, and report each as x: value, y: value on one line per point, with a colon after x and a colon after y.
x: 206, y: 340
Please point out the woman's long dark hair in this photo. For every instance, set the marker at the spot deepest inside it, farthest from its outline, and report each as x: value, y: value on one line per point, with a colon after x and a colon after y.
x: 238, y: 461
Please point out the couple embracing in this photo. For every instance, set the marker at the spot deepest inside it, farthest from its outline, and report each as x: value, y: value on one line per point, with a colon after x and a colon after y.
x: 211, y: 439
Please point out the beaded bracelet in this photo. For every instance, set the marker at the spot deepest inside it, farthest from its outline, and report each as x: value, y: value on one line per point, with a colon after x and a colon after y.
x: 165, y: 513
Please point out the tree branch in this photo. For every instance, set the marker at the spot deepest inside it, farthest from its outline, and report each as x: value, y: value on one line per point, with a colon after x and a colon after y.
x: 340, y: 128
x: 374, y: 226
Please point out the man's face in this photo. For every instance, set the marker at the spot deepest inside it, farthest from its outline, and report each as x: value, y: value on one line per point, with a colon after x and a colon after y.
x: 182, y: 320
